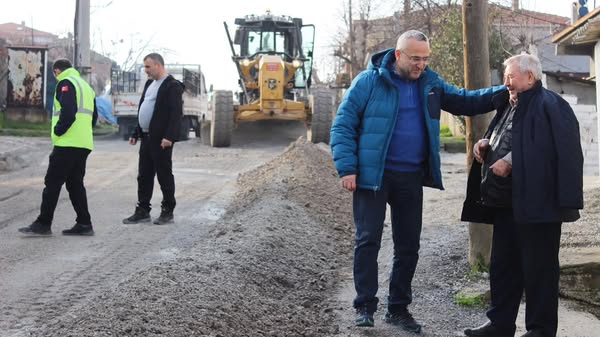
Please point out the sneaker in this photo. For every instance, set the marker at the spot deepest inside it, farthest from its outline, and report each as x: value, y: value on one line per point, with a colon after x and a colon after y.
x: 403, y: 319
x: 79, y: 229
x: 364, y: 318
x: 165, y: 217
x: 36, y: 228
x: 140, y: 215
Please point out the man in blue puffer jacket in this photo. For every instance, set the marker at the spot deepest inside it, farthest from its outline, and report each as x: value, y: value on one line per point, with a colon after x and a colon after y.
x: 385, y: 144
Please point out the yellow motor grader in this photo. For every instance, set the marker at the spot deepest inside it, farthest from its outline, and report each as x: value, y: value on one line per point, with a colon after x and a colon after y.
x: 274, y: 64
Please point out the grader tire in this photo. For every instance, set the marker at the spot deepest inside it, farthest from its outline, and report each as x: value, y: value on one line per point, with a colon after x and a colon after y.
x: 221, y: 125
x: 321, y: 104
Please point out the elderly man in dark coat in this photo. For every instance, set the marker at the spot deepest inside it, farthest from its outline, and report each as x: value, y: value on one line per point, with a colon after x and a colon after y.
x: 527, y: 180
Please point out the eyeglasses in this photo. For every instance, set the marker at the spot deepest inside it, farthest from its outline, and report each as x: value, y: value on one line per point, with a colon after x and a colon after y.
x: 417, y: 59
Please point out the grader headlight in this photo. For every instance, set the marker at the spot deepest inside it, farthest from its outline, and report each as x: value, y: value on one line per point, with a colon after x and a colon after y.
x: 244, y: 62
x: 297, y: 63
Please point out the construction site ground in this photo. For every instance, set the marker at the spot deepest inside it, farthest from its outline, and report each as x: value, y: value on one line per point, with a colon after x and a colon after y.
x: 261, y: 245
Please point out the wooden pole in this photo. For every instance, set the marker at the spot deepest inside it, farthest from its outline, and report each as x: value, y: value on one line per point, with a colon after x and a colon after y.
x: 477, y: 75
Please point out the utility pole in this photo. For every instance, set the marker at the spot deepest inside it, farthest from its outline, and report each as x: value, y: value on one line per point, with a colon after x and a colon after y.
x: 81, y: 59
x: 477, y: 75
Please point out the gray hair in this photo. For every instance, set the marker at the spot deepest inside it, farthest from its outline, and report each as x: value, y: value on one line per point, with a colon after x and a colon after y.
x: 156, y: 57
x: 526, y: 63
x: 410, y: 35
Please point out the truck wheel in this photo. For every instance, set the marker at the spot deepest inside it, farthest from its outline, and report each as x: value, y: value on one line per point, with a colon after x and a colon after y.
x: 184, y: 133
x: 321, y: 106
x: 196, y: 127
x: 126, y: 126
x: 123, y: 132
x: 221, y: 125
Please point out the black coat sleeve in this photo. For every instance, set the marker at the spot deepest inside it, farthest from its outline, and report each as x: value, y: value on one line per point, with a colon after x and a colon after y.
x: 174, y: 109
x: 67, y: 97
x: 567, y: 144
x: 95, y: 115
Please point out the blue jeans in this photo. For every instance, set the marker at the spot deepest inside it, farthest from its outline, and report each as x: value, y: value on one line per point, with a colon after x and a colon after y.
x: 403, y: 191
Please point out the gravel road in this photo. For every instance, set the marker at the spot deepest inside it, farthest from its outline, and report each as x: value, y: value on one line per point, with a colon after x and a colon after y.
x: 261, y: 246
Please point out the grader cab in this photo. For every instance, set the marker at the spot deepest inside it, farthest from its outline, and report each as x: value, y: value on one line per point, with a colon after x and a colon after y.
x: 274, y: 64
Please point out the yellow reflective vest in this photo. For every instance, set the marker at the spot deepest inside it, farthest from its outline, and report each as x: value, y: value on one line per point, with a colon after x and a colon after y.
x: 80, y: 133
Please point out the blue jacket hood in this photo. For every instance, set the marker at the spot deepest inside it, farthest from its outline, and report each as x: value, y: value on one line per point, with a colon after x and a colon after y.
x: 382, y: 61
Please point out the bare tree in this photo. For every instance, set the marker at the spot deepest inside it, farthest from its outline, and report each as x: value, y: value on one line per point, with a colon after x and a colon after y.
x: 125, y: 52
x: 355, y: 43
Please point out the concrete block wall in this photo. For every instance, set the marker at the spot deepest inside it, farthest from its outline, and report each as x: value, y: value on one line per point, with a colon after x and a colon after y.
x: 588, y: 128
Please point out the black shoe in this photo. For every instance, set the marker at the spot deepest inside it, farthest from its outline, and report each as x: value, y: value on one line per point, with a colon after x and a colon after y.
x: 166, y: 216
x: 403, y: 319
x: 36, y: 228
x: 140, y: 215
x: 79, y: 229
x: 490, y: 330
x: 364, y: 318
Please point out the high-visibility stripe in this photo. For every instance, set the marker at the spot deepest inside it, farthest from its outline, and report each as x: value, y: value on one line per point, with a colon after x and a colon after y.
x: 80, y: 108
x: 80, y: 132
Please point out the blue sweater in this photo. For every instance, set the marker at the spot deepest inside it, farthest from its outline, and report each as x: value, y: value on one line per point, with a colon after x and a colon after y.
x: 408, y: 146
x: 362, y: 130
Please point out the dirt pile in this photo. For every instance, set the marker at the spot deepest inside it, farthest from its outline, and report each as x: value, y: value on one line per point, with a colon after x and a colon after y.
x: 269, y: 270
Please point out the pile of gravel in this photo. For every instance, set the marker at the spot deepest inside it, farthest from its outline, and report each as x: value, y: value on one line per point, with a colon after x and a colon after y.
x: 269, y: 270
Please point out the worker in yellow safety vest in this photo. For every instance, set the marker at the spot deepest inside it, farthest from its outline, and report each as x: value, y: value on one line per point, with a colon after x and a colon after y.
x: 74, y: 115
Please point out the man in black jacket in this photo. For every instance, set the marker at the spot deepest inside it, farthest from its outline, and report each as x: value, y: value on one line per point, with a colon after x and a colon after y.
x: 159, y: 122
x: 532, y: 182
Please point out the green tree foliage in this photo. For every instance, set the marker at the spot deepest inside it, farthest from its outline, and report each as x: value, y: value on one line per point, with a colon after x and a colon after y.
x: 447, y: 46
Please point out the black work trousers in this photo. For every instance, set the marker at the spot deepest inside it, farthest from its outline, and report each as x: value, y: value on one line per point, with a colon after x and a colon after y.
x: 154, y: 160
x: 66, y: 165
x: 525, y: 258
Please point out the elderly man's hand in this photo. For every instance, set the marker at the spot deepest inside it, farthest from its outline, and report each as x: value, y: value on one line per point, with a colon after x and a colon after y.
x: 480, y: 148
x: 501, y: 168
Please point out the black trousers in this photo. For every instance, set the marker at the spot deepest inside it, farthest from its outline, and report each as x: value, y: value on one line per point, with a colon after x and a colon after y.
x: 66, y: 166
x: 525, y: 258
x: 154, y: 160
